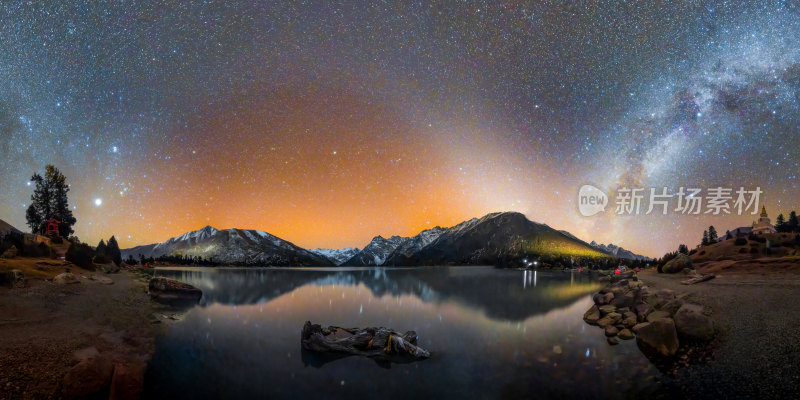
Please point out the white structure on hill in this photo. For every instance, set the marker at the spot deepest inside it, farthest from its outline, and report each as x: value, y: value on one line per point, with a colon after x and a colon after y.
x: 763, y: 225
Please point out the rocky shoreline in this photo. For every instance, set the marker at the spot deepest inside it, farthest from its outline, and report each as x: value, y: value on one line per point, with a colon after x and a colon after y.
x: 659, y: 320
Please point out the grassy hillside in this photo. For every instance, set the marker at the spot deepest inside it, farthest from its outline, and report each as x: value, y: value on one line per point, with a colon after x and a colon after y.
x: 762, y: 254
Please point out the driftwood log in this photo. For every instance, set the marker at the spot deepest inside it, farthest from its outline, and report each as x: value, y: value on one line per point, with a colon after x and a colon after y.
x: 698, y: 279
x: 380, y: 343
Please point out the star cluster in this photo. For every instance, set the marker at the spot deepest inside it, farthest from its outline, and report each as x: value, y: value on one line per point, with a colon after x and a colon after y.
x: 328, y: 123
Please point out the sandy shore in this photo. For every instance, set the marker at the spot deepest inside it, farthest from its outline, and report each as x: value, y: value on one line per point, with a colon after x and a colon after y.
x: 43, y: 325
x: 757, y: 349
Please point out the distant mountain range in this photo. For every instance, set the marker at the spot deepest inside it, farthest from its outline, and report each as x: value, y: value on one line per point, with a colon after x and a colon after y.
x: 618, y: 252
x: 337, y: 256
x: 613, y: 250
x: 233, y: 246
x: 490, y: 240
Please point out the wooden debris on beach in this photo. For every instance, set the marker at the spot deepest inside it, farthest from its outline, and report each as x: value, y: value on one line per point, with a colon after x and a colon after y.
x: 698, y: 279
x: 380, y: 342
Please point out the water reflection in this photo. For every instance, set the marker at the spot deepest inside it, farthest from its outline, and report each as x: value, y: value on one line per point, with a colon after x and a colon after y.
x: 496, y: 292
x: 490, y: 335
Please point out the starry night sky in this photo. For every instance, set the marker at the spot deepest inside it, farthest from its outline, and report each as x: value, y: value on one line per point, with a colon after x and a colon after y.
x: 329, y: 124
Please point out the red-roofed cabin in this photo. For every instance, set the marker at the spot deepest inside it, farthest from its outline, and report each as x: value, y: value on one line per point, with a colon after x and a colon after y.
x: 51, y: 226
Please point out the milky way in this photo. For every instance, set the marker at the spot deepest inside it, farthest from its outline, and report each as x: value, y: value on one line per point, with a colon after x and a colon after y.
x: 326, y: 124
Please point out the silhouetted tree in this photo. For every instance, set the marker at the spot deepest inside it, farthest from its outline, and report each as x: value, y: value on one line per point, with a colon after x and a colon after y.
x: 50, y: 200
x: 683, y: 249
x: 704, y: 242
x: 780, y: 223
x: 113, y: 252
x: 712, y: 235
x: 793, y: 223
x: 728, y: 235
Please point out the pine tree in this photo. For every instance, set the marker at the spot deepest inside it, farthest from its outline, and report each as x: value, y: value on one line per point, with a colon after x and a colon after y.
x: 728, y: 235
x: 705, y: 239
x: 779, y: 223
x: 50, y: 200
x: 61, y: 211
x: 712, y: 235
x: 113, y: 252
x: 683, y: 249
x: 41, y: 204
x: 101, y: 249
x: 35, y: 220
x: 792, y: 224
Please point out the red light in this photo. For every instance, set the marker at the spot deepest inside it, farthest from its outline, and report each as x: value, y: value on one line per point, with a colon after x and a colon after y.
x: 616, y: 272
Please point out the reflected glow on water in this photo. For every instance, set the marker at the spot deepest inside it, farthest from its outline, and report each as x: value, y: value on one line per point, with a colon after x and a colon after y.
x: 492, y: 333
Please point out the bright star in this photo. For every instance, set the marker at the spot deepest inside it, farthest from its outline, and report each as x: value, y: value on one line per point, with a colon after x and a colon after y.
x: 98, y: 202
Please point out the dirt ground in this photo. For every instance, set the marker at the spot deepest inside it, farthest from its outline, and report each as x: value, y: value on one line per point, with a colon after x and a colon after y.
x: 757, y: 316
x: 44, y: 324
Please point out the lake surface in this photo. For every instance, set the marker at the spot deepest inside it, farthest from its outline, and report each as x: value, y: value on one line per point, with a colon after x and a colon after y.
x: 492, y: 333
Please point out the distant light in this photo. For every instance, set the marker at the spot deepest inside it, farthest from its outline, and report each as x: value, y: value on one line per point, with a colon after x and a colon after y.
x: 98, y: 202
x: 29, y: 183
x: 334, y: 152
x: 114, y: 149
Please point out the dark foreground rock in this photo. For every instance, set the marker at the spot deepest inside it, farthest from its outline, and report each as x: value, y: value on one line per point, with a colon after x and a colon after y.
x: 626, y: 307
x: 658, y: 337
x: 170, y: 290
x: 381, y: 343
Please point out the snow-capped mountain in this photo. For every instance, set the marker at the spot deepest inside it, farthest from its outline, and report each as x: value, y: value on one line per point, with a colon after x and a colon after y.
x: 413, y: 245
x: 377, y: 251
x: 618, y: 252
x: 233, y: 246
x: 337, y: 256
x: 494, y: 238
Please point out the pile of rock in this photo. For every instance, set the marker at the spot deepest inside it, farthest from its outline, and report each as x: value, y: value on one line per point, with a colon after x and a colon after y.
x: 626, y: 309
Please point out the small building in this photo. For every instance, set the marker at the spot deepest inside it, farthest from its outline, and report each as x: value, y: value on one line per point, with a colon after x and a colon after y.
x: 51, y: 227
x: 763, y: 225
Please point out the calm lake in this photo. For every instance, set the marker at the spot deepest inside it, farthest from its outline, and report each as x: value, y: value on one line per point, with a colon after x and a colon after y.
x: 492, y: 333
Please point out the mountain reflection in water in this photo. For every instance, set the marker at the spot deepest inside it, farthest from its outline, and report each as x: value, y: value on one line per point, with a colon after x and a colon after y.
x: 492, y: 333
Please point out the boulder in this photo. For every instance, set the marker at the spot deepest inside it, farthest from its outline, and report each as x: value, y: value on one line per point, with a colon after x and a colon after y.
x: 11, y: 252
x: 128, y: 381
x: 625, y: 334
x: 658, y: 338
x: 598, y: 299
x: 692, y: 323
x: 611, y: 331
x: 630, y: 321
x: 606, y: 309
x: 659, y: 298
x: 677, y: 264
x: 615, y: 316
x: 607, y: 297
x: 672, y: 306
x: 612, y: 341
x: 90, y: 377
x: 636, y: 327
x: 624, y: 300
x: 642, y: 310
x: 656, y: 315
x: 605, y: 321
x: 109, y: 268
x: 65, y: 279
x: 592, y: 315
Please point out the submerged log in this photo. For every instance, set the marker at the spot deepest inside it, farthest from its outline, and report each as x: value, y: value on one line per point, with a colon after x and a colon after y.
x: 381, y: 343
